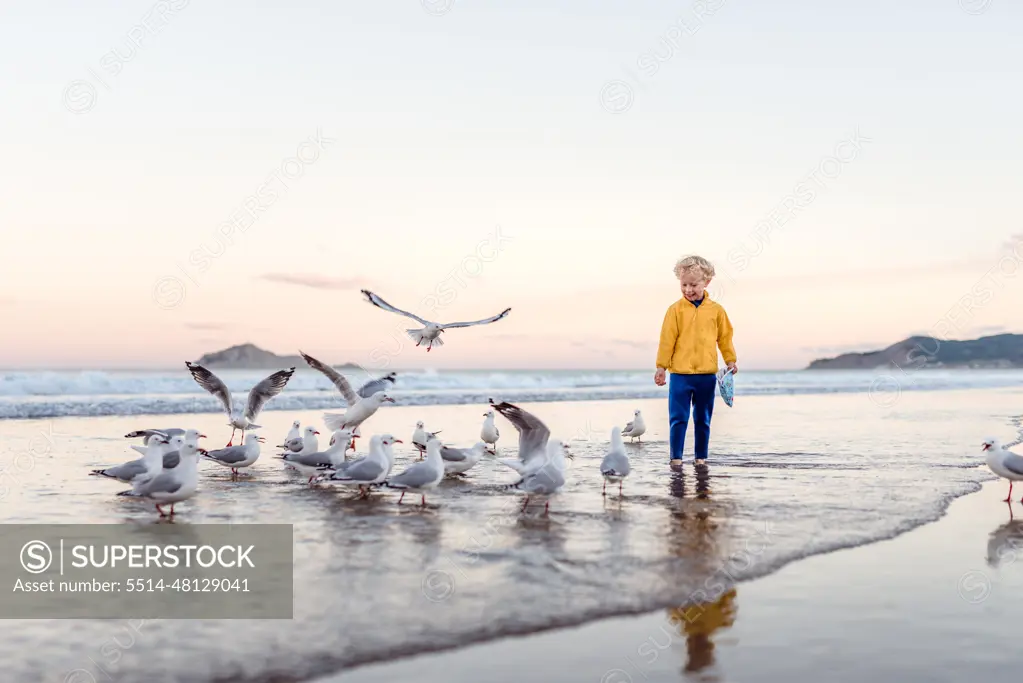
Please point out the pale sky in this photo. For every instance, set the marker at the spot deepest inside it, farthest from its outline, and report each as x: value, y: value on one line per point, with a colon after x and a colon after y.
x: 599, y: 151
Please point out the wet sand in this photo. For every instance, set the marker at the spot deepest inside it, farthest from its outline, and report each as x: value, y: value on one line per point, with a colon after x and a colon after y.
x: 940, y: 603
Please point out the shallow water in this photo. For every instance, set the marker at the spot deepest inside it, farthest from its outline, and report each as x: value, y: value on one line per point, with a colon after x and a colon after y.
x: 789, y: 476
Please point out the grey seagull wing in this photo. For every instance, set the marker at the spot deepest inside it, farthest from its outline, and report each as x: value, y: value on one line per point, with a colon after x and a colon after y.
x: 380, y: 303
x: 452, y: 454
x: 373, y: 386
x: 229, y: 455
x: 1014, y: 463
x: 213, y: 384
x: 485, y: 321
x: 533, y: 434
x: 161, y: 483
x: 336, y: 378
x: 266, y: 390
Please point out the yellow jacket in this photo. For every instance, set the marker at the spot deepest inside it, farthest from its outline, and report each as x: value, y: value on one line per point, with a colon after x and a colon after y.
x: 691, y: 336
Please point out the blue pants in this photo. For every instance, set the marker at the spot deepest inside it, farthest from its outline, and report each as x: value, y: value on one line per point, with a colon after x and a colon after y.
x: 683, y: 391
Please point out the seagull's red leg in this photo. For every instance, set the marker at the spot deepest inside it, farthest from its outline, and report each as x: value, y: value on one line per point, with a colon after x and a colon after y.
x: 619, y: 489
x: 604, y: 492
x: 423, y: 503
x: 525, y: 504
x: 547, y: 507
x: 1009, y: 499
x: 160, y: 510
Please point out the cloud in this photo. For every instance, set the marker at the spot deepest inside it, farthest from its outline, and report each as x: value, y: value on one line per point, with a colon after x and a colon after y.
x: 314, y: 281
x: 205, y: 326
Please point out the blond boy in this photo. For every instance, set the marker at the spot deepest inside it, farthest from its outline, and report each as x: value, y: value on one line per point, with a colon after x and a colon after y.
x: 694, y: 328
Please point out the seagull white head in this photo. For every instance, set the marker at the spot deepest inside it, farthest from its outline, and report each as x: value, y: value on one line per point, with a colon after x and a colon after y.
x: 296, y: 424
x: 193, y: 436
x: 177, y: 442
x: 380, y: 397
x: 388, y: 440
x: 636, y: 413
x: 341, y: 435
x: 253, y: 438
x: 991, y: 443
x: 489, y: 413
x: 419, y: 424
x: 310, y: 431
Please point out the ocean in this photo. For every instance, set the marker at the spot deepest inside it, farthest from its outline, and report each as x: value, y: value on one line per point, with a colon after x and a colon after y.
x: 95, y: 393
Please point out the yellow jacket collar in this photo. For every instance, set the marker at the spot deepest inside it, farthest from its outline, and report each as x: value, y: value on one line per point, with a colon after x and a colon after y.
x: 706, y: 299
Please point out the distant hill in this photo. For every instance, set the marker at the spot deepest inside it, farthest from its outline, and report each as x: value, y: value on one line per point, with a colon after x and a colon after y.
x: 251, y: 357
x: 997, y: 351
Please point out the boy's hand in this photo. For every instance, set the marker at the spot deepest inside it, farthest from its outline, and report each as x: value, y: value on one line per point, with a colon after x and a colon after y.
x: 659, y: 379
x: 732, y: 367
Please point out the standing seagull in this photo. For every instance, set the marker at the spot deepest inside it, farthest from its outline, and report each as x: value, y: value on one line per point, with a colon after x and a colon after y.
x: 371, y: 470
x: 420, y: 476
x: 147, y: 465
x: 490, y: 433
x: 547, y: 479
x: 461, y: 460
x: 258, y: 396
x: 615, y: 466
x: 420, y: 437
x: 310, y: 463
x: 178, y: 480
x: 431, y: 331
x: 238, y: 456
x: 636, y: 428
x: 1004, y: 463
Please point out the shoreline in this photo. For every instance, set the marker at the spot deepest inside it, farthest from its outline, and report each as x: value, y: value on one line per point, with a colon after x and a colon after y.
x: 594, y: 651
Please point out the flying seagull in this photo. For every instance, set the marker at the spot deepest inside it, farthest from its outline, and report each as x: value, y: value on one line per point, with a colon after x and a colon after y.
x: 359, y: 409
x: 258, y: 396
x: 431, y: 331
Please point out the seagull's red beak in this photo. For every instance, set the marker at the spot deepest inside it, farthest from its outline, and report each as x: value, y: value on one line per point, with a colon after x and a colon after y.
x: 398, y: 441
x: 391, y: 400
x: 986, y: 446
x: 315, y: 432
x: 203, y: 436
x: 260, y: 439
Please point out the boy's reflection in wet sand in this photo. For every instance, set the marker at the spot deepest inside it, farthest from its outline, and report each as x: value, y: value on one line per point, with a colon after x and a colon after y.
x: 697, y: 536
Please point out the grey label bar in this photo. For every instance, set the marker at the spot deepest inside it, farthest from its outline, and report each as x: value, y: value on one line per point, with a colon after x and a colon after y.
x: 159, y: 571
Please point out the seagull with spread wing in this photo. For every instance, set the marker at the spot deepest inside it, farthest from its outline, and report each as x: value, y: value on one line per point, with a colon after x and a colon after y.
x: 359, y: 409
x: 258, y: 396
x: 430, y: 332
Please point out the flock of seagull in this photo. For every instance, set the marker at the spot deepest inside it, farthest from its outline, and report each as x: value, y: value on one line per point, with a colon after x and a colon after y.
x: 167, y: 472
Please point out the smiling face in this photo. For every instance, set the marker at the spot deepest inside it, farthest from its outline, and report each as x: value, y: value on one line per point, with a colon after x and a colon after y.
x: 693, y: 284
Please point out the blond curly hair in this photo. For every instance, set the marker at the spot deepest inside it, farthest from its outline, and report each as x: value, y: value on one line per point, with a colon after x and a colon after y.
x: 698, y: 263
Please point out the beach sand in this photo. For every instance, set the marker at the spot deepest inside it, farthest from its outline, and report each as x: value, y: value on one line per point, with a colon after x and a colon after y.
x: 940, y: 603
x: 790, y: 477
